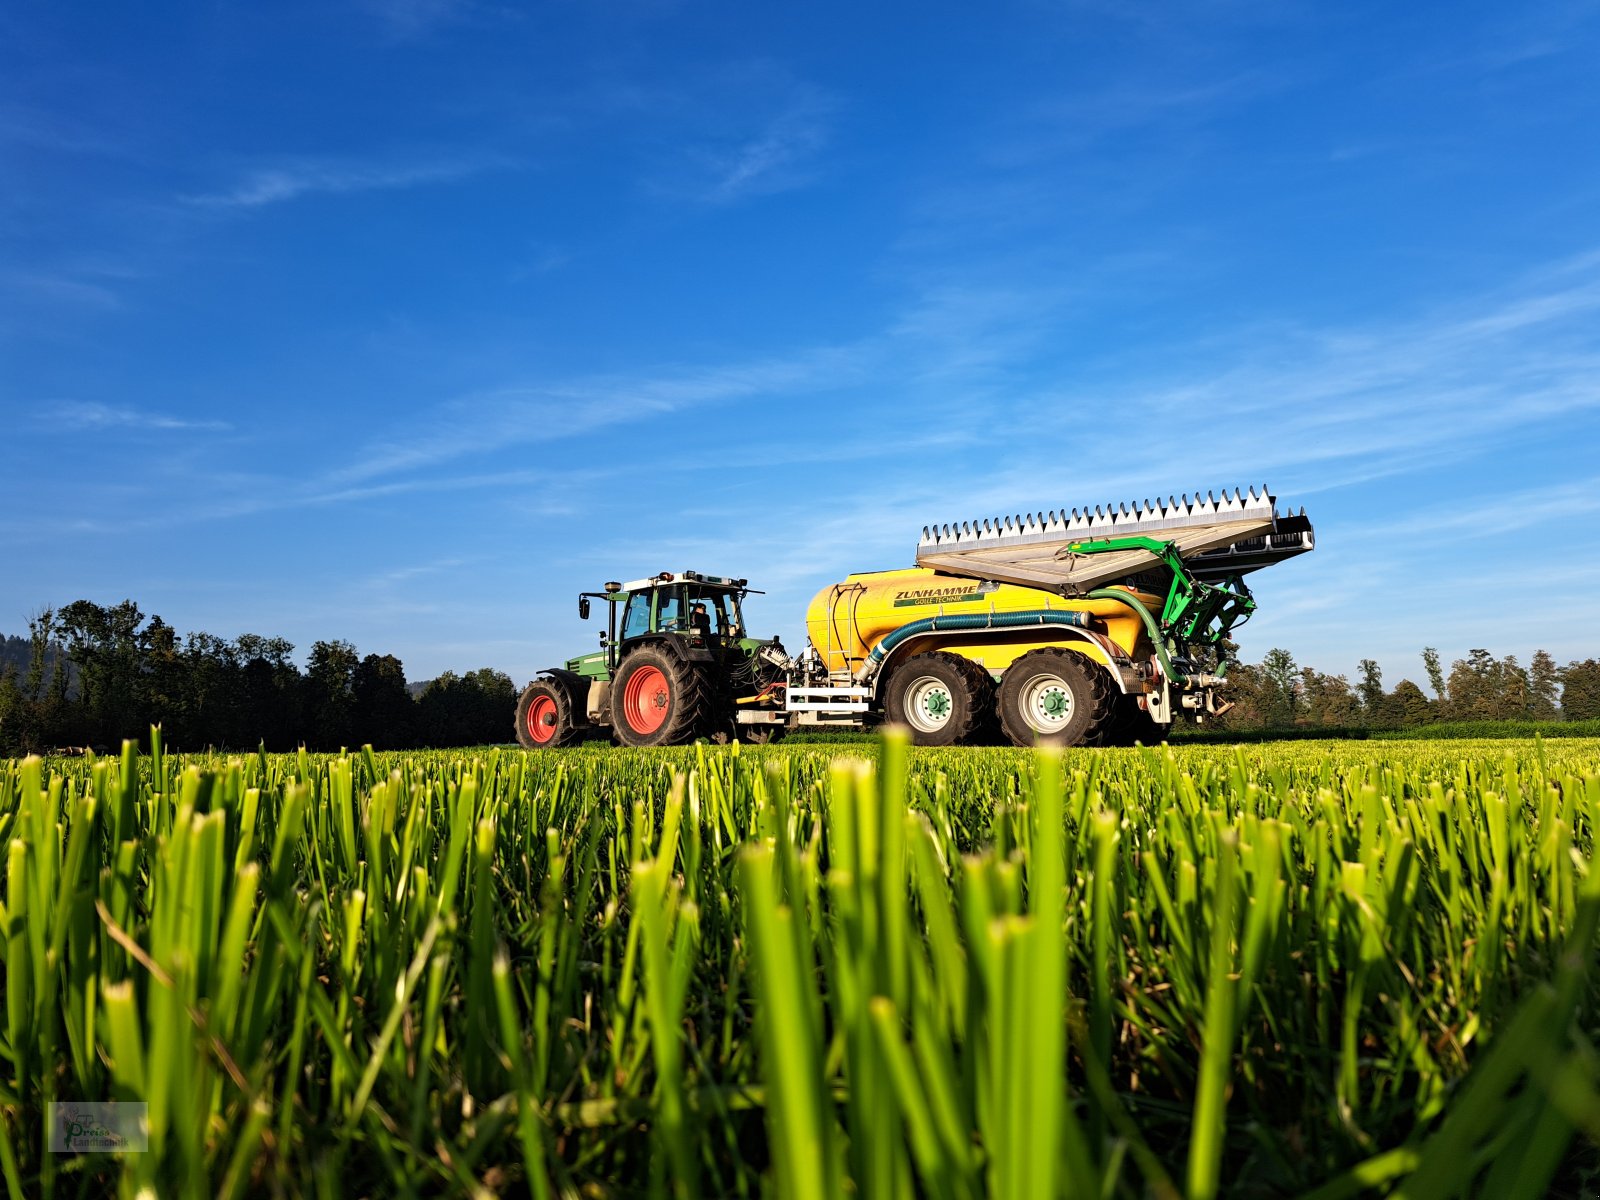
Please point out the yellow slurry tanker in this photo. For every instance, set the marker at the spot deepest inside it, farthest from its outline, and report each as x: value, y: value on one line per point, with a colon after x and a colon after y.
x: 1078, y: 628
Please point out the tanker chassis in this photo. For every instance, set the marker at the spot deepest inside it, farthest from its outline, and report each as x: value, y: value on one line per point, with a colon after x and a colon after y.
x: 1092, y: 628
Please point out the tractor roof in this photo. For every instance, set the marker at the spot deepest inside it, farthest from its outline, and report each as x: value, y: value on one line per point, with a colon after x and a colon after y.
x: 671, y: 577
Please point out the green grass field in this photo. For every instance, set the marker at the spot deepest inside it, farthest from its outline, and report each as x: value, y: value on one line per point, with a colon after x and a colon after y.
x: 1311, y: 968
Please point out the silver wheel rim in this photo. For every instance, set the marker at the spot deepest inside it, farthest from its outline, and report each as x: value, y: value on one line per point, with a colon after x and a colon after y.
x: 929, y: 704
x: 1048, y: 703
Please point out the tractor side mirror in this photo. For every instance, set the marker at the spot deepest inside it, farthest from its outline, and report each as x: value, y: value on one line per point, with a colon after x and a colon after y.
x: 583, y: 608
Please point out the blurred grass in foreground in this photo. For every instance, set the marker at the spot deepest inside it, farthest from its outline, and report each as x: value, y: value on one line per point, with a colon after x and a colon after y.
x: 1331, y: 969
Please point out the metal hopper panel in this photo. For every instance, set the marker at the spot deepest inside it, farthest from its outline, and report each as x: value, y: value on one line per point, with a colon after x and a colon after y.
x: 1240, y: 532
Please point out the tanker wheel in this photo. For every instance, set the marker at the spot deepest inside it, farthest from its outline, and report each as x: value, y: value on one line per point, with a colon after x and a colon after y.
x: 943, y: 699
x: 1132, y: 725
x: 547, y: 717
x: 1056, y: 698
x: 657, y: 700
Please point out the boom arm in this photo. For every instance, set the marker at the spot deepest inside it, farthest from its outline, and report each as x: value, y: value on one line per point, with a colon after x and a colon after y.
x: 1195, y: 612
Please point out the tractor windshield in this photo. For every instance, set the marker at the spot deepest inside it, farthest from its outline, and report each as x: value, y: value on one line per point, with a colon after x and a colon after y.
x: 683, y: 608
x: 636, y: 619
x: 721, y: 611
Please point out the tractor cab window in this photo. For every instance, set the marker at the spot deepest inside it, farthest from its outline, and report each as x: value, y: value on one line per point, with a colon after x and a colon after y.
x: 636, y: 618
x: 670, y: 611
x: 721, y: 611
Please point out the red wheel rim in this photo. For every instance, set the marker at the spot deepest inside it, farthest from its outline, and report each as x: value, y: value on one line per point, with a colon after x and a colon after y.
x: 645, y: 699
x: 542, y: 719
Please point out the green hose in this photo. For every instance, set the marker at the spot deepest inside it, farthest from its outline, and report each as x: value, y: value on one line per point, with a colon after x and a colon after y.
x: 968, y: 621
x: 1150, y: 625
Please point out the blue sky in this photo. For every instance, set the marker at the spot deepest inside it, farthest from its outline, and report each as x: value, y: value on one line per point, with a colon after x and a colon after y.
x: 402, y: 321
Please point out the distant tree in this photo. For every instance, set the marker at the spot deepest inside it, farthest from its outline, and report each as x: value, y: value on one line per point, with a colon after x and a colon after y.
x: 272, y: 692
x: 1484, y: 688
x: 212, y: 712
x: 467, y: 710
x: 1409, y: 705
x: 1544, y: 688
x: 1282, y: 690
x: 34, y: 714
x: 1430, y: 663
x: 1580, y: 690
x: 164, y: 681
x: 1370, y: 689
x: 107, y: 645
x: 384, y: 714
x: 1245, y: 693
x: 1516, y: 696
x: 330, y: 695
x: 1327, y: 699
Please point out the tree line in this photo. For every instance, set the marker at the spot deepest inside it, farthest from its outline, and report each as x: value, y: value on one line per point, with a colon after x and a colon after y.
x: 1277, y: 693
x: 91, y: 675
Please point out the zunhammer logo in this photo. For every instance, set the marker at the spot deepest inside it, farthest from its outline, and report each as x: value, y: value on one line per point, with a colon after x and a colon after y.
x: 960, y: 594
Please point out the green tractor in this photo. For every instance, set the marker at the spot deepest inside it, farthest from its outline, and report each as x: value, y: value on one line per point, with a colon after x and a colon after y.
x: 674, y: 665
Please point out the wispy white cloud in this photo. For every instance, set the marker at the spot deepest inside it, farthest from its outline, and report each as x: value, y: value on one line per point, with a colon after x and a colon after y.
x: 482, y: 423
x: 69, y: 415
x: 779, y: 157
x: 292, y: 179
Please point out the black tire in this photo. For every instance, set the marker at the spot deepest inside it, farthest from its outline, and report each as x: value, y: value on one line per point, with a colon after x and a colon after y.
x: 942, y: 698
x: 677, y: 693
x: 1132, y: 725
x: 547, y: 707
x: 1056, y: 697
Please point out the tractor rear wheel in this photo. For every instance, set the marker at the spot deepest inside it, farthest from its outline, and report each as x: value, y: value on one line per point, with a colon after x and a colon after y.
x: 547, y: 716
x: 1056, y: 697
x: 942, y: 698
x: 658, y: 700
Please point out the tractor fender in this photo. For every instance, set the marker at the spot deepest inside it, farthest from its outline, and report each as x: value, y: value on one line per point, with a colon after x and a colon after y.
x: 1122, y: 670
x: 587, y: 696
x: 576, y: 685
x: 674, y: 645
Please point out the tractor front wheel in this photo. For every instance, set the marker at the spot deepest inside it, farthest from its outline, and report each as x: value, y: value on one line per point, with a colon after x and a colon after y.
x: 658, y: 700
x: 1056, y: 698
x: 547, y: 716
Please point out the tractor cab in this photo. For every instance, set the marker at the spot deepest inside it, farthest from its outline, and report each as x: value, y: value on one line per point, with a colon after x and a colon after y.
x: 700, y: 612
x: 706, y: 612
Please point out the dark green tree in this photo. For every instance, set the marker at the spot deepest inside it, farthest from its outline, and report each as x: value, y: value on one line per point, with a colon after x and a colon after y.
x: 1544, y: 688
x: 106, y: 644
x: 385, y: 715
x: 1370, y: 689
x: 1327, y: 699
x: 1430, y: 663
x: 1580, y: 690
x: 1409, y: 705
x: 330, y: 695
x: 1282, y: 695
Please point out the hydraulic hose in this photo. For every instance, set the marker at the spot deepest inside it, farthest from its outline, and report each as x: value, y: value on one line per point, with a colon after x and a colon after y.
x: 1150, y: 625
x: 971, y: 621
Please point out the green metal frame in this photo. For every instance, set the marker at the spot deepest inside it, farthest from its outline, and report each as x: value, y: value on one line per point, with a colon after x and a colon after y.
x: 1195, y: 613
